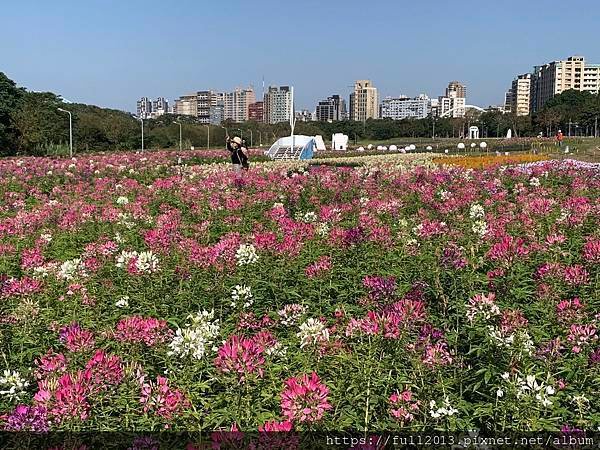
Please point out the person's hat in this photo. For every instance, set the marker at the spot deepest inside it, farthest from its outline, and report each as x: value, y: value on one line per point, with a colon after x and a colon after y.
x: 237, y: 140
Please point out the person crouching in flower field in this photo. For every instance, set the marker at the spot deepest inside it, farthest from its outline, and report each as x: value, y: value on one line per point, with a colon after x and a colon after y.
x: 239, y: 159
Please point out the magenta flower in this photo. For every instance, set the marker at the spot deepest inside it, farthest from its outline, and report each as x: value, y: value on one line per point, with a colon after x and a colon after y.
x: 76, y: 338
x: 28, y: 418
x: 305, y: 399
x: 581, y: 335
x: 319, y: 267
x: 160, y: 399
x: 146, y: 330
x: 241, y: 357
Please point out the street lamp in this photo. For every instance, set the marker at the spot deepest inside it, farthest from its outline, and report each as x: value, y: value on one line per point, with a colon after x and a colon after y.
x: 259, y: 138
x: 70, y: 131
x: 142, y: 122
x: 207, y: 136
x: 180, y: 135
x: 251, y: 138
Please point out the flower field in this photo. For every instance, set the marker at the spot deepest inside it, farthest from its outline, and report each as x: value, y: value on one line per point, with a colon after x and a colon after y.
x: 153, y: 291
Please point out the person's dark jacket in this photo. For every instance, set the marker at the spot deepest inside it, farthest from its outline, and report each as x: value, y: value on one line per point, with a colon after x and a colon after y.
x: 237, y: 155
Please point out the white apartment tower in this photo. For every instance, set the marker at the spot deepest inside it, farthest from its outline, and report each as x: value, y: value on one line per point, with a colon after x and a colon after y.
x: 277, y: 104
x: 364, y: 101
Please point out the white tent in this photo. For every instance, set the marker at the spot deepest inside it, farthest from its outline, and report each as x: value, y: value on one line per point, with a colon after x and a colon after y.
x: 320, y: 144
x: 304, y: 147
x: 339, y: 141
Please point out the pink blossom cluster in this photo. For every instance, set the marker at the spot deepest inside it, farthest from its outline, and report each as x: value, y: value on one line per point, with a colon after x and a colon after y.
x: 241, y: 357
x: 160, y: 399
x: 403, y: 406
x: 305, y: 399
x: 319, y: 267
x: 145, y: 330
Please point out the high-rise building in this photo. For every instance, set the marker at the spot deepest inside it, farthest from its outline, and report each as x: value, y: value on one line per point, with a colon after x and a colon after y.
x: 508, y: 101
x: 160, y: 106
x: 454, y: 102
x: 277, y: 104
x: 144, y: 108
x: 556, y: 77
x: 456, y: 89
x: 364, y: 101
x: 255, y: 111
x: 403, y: 107
x: 520, y: 95
x: 304, y: 116
x: 206, y: 106
x: 331, y: 109
x: 237, y: 104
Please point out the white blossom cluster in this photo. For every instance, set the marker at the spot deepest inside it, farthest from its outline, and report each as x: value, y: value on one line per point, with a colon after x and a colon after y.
x: 70, y: 269
x: 444, y: 410
x: 246, y: 255
x: 145, y: 262
x: 290, y: 314
x: 241, y: 294
x: 322, y: 229
x: 308, y: 217
x: 477, y: 214
x: 476, y: 211
x: 312, y: 331
x: 198, y: 336
x: 534, y: 181
x: 12, y: 384
x: 530, y: 387
x: 519, y: 340
x: 480, y: 228
x: 444, y: 194
x: 276, y: 349
x: 122, y: 200
x: 125, y: 220
x: 123, y: 302
x: 485, y: 308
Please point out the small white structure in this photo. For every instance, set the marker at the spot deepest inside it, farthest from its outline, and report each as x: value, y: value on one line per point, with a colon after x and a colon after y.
x: 473, y: 145
x: 339, y: 141
x: 509, y: 134
x: 320, y: 144
x: 379, y: 148
x: 413, y: 146
x: 483, y: 145
x: 361, y: 149
x: 429, y: 148
x: 393, y: 148
x: 370, y: 146
x: 384, y: 148
x: 473, y: 132
x: 303, y: 148
x: 461, y: 146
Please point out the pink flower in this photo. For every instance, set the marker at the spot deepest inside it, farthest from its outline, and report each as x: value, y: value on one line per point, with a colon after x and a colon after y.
x: 437, y: 355
x: 591, y: 250
x: 76, y: 338
x: 402, y: 406
x: 50, y: 363
x: 160, y: 399
x: 569, y: 310
x: 305, y: 399
x: 275, y: 426
x: 106, y: 370
x: 319, y: 267
x: 576, y: 275
x: 146, y: 330
x: 241, y: 356
x: 581, y: 335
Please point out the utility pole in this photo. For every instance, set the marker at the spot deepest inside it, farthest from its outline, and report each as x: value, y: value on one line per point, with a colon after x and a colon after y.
x: 569, y: 127
x: 208, y: 136
x: 596, y: 128
x: 180, y: 134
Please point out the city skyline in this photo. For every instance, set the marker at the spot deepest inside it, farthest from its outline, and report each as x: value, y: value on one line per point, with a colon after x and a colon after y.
x: 110, y: 56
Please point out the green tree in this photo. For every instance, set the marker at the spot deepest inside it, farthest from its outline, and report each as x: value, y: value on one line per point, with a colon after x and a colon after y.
x: 10, y: 98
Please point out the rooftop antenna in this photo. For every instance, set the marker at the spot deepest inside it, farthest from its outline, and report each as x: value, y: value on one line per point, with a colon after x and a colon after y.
x: 263, y: 84
x: 292, y: 116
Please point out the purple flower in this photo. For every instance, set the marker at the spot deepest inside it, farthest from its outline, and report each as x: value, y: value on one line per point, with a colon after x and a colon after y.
x: 28, y: 418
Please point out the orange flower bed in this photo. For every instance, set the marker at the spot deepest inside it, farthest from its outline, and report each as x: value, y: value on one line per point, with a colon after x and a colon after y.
x: 480, y: 162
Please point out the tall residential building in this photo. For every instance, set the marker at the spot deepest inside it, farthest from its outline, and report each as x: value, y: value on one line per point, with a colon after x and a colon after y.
x: 454, y: 102
x: 556, y: 77
x: 237, y: 104
x: 255, y: 111
x: 508, y: 101
x: 186, y: 105
x: 160, y: 106
x: 403, y: 107
x: 331, y: 109
x: 144, y: 108
x: 456, y: 89
x: 520, y: 95
x: 304, y: 116
x: 364, y: 101
x: 206, y: 106
x: 277, y: 104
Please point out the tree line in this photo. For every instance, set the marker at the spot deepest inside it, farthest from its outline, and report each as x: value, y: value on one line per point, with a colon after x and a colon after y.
x: 31, y: 124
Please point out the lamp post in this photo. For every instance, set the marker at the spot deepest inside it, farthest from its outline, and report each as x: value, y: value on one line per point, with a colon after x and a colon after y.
x: 142, y: 122
x: 251, y: 138
x: 208, y: 136
x: 260, y: 138
x: 70, y: 131
x: 180, y: 135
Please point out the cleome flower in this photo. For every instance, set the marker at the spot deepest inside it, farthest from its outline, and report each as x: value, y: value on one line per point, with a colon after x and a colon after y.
x: 12, y: 384
x: 312, y: 332
x: 305, y: 399
x: 241, y: 296
x: 198, y: 336
x: 246, y: 255
x: 482, y: 306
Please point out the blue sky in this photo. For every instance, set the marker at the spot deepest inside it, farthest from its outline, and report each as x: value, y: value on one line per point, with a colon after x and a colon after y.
x: 110, y: 53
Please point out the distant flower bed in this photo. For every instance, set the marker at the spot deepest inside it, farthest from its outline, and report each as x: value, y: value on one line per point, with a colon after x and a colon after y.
x: 139, y: 292
x: 479, y: 162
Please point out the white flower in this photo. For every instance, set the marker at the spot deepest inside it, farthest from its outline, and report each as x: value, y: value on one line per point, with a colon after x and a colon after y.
x: 312, y: 331
x: 246, y: 254
x: 480, y: 228
x: 290, y: 314
x: 147, y: 262
x: 444, y: 194
x: 499, y: 393
x: 70, y: 268
x: 276, y: 349
x: 12, y: 384
x: 122, y: 200
x: 123, y: 302
x: 47, y: 237
x: 124, y: 258
x: 445, y: 410
x: 241, y: 293
x: 476, y: 211
x: 322, y: 229
x: 197, y: 338
x: 534, y: 181
x: 505, y: 375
